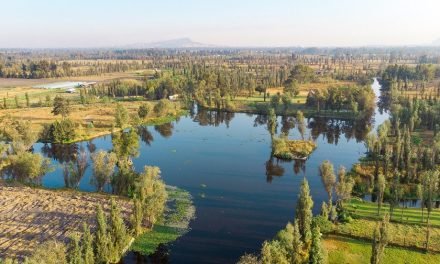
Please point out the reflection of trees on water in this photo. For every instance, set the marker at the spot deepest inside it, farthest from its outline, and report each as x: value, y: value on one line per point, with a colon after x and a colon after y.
x: 165, y: 130
x: 60, y: 152
x: 299, y: 166
x: 160, y: 256
x: 384, y: 102
x: 91, y: 146
x: 145, y: 135
x: 213, y: 118
x: 273, y: 169
x: 74, y: 170
x: 260, y: 120
x: 287, y: 123
x: 333, y: 128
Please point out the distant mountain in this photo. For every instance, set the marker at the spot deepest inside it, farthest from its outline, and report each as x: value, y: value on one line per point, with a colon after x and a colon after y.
x: 169, y: 44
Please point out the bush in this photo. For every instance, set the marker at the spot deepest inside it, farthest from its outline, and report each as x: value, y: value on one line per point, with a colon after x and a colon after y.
x: 58, y: 132
x: 144, y: 110
x: 325, y: 226
x: 163, y: 107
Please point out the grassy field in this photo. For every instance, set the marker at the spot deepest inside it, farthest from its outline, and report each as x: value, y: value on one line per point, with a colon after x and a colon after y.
x: 101, y: 114
x: 347, y: 250
x: 407, y: 234
x: 368, y: 210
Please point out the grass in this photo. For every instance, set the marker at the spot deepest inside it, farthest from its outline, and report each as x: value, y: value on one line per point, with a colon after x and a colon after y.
x: 368, y: 210
x: 101, y: 114
x: 347, y: 250
x: 411, y: 235
x: 178, y: 214
x: 148, y: 242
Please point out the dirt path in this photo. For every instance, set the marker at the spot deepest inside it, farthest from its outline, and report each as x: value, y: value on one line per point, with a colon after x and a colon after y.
x: 30, y: 216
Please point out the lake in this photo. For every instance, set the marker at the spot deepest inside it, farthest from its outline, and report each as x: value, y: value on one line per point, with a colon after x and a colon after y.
x: 242, y: 195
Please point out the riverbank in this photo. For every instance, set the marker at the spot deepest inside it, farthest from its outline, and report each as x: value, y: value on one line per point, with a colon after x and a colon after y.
x: 31, y: 216
x: 174, y: 223
x: 92, y: 120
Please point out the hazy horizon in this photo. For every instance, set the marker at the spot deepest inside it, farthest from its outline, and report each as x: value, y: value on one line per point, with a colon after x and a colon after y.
x: 278, y: 23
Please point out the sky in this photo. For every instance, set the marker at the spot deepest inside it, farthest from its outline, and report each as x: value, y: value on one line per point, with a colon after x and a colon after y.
x: 106, y: 23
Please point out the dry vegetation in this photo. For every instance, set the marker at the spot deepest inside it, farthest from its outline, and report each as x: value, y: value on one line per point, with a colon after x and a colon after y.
x: 101, y: 114
x: 30, y: 216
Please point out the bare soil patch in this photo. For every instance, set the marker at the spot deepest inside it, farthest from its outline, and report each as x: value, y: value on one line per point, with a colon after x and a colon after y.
x: 31, y: 216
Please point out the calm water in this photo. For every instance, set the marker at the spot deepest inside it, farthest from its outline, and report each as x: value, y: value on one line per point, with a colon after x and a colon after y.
x: 242, y: 196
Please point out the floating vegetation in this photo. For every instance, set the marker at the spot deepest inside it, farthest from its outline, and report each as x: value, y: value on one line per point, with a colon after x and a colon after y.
x: 284, y: 148
x: 175, y: 223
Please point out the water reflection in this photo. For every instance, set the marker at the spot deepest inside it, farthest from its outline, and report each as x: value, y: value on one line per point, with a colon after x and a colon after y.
x: 212, y: 118
x: 273, y: 169
x: 74, y: 170
x: 332, y: 128
x: 145, y: 135
x: 165, y: 130
x: 62, y: 153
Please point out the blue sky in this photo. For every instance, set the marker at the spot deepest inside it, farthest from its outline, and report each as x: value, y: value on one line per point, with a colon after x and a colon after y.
x: 97, y: 23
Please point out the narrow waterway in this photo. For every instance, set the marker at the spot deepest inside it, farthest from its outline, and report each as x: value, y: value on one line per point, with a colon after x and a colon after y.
x: 242, y: 195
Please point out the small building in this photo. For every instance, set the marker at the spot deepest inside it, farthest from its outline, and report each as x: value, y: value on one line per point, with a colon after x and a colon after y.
x: 173, y: 97
x: 71, y: 90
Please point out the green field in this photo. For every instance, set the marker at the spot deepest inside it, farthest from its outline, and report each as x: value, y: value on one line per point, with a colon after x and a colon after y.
x: 347, y: 250
x: 368, y: 210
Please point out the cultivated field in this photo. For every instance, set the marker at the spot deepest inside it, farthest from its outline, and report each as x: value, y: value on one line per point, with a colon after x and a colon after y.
x: 30, y: 216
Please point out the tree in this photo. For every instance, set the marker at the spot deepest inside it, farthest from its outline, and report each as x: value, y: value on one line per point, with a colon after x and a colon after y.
x: 27, y: 100
x: 61, y: 106
x: 163, y: 107
x: 117, y: 233
x: 26, y: 166
x: 273, y: 252
x: 316, y: 254
x: 143, y: 110
x: 74, y: 256
x: 380, y: 241
x: 291, y: 88
x: 420, y: 196
x: 62, y: 131
x: 304, y: 211
x: 21, y: 135
x: 324, y: 210
x: 248, y: 259
x: 301, y: 73
x: 381, y: 184
x: 103, y: 168
x: 103, y: 242
x: 297, y: 245
x: 328, y: 178
x: 430, y: 180
x: 152, y: 193
x: 121, y: 116
x: 17, y: 105
x: 87, y: 245
x: 137, y: 217
x: 344, y: 186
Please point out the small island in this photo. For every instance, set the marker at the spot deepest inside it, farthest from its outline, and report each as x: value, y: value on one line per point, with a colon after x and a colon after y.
x: 287, y: 149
